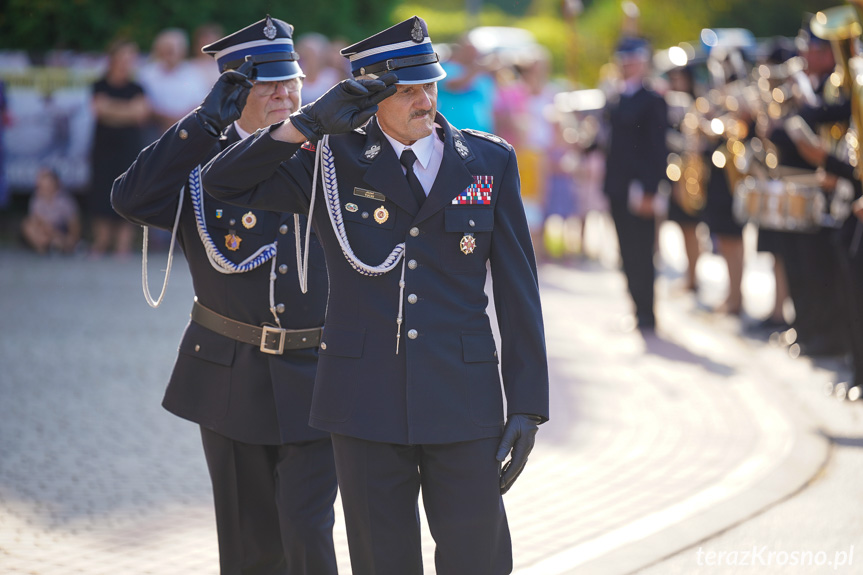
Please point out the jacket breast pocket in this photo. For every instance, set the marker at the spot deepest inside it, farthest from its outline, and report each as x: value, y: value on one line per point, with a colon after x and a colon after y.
x: 224, y: 217
x: 467, y: 242
x: 377, y: 214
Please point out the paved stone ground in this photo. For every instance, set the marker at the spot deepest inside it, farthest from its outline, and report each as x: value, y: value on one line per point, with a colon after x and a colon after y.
x: 655, y: 442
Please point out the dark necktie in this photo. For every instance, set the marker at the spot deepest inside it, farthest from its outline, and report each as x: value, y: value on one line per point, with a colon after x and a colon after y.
x: 407, y: 159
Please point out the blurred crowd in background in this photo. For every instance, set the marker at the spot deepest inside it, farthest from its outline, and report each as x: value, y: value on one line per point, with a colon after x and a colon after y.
x: 754, y: 134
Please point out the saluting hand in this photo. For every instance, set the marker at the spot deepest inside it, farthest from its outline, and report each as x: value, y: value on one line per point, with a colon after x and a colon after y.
x: 226, y: 99
x: 519, y: 436
x: 346, y: 106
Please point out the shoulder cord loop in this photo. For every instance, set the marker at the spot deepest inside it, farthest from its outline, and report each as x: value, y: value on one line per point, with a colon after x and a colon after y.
x: 219, y: 262
x: 144, y: 279
x: 324, y: 158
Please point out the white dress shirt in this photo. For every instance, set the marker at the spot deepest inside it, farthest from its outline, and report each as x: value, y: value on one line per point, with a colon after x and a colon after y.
x: 429, y: 152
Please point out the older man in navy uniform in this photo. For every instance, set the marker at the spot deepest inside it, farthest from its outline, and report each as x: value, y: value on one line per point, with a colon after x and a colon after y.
x: 410, y: 211
x: 246, y: 363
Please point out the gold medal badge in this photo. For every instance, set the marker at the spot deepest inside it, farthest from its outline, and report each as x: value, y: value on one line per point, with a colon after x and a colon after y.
x: 232, y: 242
x: 381, y: 215
x: 467, y: 244
x: 249, y: 220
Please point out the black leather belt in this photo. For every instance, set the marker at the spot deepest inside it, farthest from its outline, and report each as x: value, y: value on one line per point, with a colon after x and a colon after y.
x: 273, y: 340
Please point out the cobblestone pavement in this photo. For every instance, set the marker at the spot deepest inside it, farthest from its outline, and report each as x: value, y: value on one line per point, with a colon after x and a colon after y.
x: 655, y: 442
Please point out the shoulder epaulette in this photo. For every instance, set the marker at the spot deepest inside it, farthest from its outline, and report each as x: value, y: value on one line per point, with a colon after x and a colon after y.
x: 486, y: 136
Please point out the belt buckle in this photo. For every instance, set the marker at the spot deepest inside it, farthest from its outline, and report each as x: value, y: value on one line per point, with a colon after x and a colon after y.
x: 273, y: 350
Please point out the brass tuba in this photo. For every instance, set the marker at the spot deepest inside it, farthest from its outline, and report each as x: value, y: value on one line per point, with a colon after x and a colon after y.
x: 841, y: 26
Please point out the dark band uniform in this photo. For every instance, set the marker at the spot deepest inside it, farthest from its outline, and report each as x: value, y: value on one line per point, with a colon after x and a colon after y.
x: 437, y: 403
x: 273, y: 475
x: 636, y: 154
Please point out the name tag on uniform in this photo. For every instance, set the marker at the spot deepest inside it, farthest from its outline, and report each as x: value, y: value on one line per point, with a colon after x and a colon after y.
x: 371, y: 194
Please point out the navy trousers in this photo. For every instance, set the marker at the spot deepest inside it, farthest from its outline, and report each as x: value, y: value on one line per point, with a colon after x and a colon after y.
x: 380, y: 484
x: 274, y: 506
x: 636, y: 237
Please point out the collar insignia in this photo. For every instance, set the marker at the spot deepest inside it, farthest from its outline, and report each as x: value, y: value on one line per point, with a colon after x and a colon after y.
x: 461, y: 148
x: 373, y: 151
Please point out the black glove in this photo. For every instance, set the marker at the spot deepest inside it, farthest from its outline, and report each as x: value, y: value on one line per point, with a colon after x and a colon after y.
x: 518, y: 435
x: 226, y: 99
x: 347, y: 105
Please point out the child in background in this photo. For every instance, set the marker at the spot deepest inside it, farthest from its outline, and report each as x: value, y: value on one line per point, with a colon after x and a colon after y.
x: 52, y: 221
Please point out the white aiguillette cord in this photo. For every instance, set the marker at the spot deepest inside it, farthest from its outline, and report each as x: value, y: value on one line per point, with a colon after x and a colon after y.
x: 324, y: 159
x: 144, y: 280
x: 217, y: 260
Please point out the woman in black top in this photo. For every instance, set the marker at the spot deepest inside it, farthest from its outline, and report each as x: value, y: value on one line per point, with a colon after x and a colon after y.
x: 121, y: 108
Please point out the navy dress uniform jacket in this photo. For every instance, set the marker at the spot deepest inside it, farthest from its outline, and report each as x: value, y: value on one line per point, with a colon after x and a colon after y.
x: 638, y: 150
x: 225, y: 385
x: 444, y: 385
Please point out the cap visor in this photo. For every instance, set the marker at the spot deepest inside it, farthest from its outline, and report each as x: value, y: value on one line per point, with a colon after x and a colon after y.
x: 277, y: 71
x: 419, y: 74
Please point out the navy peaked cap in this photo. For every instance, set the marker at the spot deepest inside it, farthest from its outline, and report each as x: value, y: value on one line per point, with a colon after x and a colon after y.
x: 631, y: 47
x: 267, y: 43
x: 404, y: 49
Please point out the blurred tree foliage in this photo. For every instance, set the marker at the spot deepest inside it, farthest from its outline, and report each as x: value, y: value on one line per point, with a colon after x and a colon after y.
x: 582, y: 45
x: 579, y: 46
x: 40, y: 25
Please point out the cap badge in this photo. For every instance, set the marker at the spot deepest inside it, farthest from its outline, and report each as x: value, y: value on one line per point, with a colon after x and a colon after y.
x: 373, y: 151
x: 270, y: 30
x: 467, y: 244
x: 351, y: 207
x: 249, y: 220
x: 232, y: 242
x: 381, y: 215
x: 461, y: 148
x: 417, y: 32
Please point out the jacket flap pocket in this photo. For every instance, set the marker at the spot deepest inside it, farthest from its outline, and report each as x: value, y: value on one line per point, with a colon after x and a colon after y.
x: 478, y: 347
x: 465, y: 219
x: 202, y: 343
x: 342, y: 341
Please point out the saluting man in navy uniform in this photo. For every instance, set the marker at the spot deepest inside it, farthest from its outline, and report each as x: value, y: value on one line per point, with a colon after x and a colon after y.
x: 246, y: 365
x: 409, y: 211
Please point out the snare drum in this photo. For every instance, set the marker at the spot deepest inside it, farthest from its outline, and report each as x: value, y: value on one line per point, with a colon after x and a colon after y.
x: 792, y: 204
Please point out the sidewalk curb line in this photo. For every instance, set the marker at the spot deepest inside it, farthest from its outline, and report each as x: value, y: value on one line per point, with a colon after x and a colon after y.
x: 809, y: 455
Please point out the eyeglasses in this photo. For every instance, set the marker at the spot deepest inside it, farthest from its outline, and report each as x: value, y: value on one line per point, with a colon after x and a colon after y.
x: 269, y: 88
